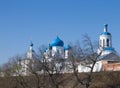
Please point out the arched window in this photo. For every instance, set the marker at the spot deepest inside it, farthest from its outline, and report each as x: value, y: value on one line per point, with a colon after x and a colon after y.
x: 107, y: 42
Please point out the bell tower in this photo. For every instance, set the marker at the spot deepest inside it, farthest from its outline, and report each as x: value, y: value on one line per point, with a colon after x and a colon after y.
x: 105, y: 38
x: 105, y: 42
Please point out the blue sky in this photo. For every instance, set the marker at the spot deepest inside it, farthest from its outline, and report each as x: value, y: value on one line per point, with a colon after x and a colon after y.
x: 42, y: 20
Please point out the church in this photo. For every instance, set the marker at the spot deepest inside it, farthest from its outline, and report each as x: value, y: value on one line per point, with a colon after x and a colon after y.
x: 109, y: 59
x: 57, y: 49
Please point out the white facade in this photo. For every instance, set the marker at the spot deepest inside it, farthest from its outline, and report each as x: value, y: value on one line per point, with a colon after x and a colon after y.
x: 58, y: 51
x: 66, y: 54
x: 87, y: 68
x: 24, y: 67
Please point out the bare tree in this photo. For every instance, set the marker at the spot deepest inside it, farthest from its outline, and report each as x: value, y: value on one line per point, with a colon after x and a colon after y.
x: 89, y: 57
x: 41, y: 73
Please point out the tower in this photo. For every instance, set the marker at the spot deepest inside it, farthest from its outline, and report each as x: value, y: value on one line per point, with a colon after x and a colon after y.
x: 31, y: 52
x: 67, y: 51
x: 105, y: 42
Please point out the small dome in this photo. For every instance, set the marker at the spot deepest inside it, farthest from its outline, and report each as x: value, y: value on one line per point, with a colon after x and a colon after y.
x: 105, y: 33
x: 31, y: 44
x: 68, y: 47
x: 57, y: 42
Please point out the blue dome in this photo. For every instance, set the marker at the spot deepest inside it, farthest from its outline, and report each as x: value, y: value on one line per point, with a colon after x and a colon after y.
x: 67, y: 47
x: 105, y: 33
x: 57, y: 42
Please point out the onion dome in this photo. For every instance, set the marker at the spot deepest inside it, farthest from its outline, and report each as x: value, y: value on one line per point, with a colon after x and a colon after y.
x: 57, y: 42
x: 31, y: 47
x: 31, y: 44
x: 68, y: 47
x: 105, y: 30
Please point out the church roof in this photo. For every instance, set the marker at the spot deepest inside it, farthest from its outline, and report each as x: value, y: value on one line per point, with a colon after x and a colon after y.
x: 105, y: 33
x: 57, y: 42
x: 109, y: 49
x: 111, y: 57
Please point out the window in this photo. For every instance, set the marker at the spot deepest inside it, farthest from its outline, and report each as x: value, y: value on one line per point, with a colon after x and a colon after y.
x: 107, y: 42
x: 103, y: 42
x: 100, y: 43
